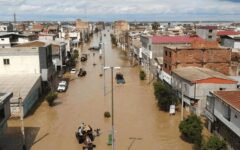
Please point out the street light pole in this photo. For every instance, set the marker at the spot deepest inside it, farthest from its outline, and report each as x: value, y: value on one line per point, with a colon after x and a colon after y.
x: 112, y: 111
x: 113, y: 139
x: 104, y: 75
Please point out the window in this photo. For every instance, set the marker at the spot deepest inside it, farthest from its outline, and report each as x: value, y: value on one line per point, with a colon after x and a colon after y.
x: 165, y: 53
x: 170, y: 67
x: 2, y: 39
x: 149, y: 47
x: 165, y: 65
x: 6, y: 61
x: 170, y: 54
x: 210, y: 37
x: 2, y: 115
x: 222, y: 89
x: 210, y: 30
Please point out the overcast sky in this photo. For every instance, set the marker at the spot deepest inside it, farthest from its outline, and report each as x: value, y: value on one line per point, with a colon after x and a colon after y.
x: 108, y: 10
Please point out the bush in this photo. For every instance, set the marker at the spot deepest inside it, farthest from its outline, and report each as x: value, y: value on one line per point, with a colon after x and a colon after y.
x: 214, y: 143
x: 142, y: 75
x: 51, y: 97
x: 107, y: 114
x: 165, y: 95
x: 191, y: 129
x: 75, y: 54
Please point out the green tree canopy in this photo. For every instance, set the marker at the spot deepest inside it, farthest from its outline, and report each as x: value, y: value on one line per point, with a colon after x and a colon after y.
x: 191, y: 129
x: 165, y: 95
x: 214, y: 143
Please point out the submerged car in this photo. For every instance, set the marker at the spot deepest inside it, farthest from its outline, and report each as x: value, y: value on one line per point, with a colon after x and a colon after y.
x: 84, y: 57
x: 119, y: 78
x: 62, y: 86
x: 96, y: 48
x: 73, y: 71
x: 82, y: 73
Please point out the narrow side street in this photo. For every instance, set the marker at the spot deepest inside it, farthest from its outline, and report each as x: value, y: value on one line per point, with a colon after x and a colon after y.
x: 136, y: 111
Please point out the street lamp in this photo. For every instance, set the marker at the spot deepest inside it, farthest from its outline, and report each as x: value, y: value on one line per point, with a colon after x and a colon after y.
x: 112, y: 68
x: 22, y: 123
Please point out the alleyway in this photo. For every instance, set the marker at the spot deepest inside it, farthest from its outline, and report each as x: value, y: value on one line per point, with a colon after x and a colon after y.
x: 136, y: 112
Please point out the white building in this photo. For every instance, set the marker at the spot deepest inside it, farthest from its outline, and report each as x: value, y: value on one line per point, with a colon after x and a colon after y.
x: 9, y: 39
x: 196, y: 83
x: 223, y: 113
x: 26, y: 86
x: 6, y: 27
x: 30, y: 58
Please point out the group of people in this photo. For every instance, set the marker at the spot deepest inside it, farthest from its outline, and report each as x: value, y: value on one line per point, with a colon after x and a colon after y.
x: 86, y: 136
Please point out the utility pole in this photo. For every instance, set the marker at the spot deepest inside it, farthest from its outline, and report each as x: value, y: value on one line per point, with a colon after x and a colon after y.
x: 22, y: 123
x: 182, y: 95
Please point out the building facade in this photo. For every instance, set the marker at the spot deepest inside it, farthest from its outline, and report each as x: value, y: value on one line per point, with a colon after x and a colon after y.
x: 196, y: 83
x: 223, y: 113
x: 4, y: 110
x: 207, y: 32
x: 218, y: 59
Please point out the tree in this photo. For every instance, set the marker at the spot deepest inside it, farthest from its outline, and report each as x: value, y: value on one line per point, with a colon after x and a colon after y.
x: 214, y: 143
x: 191, y: 129
x: 142, y: 75
x: 155, y: 26
x: 75, y: 54
x: 165, y: 95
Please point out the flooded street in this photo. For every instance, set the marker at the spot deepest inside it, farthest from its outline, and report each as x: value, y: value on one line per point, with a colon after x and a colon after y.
x: 136, y: 111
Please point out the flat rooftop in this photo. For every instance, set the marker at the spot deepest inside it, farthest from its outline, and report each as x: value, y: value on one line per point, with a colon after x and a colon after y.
x: 194, y: 74
x: 20, y: 85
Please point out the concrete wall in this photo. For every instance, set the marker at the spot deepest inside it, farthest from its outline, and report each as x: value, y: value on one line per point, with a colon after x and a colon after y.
x: 236, y: 44
x: 227, y: 42
x: 221, y: 110
x: 204, y: 33
x: 5, y: 106
x: 32, y: 97
x: 5, y: 42
x: 198, y: 91
x: 20, y: 64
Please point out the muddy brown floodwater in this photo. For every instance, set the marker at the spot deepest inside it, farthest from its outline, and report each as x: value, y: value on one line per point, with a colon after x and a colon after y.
x: 136, y: 112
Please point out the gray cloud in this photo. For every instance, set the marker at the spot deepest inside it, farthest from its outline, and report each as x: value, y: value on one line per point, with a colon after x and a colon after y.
x: 118, y: 7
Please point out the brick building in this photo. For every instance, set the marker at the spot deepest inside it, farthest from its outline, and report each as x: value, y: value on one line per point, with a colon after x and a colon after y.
x: 217, y: 59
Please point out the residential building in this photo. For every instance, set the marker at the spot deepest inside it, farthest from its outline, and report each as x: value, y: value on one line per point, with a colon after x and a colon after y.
x: 26, y: 86
x: 20, y: 27
x: 215, y: 58
x: 232, y: 41
x: 121, y: 29
x: 121, y: 25
x: 207, y: 32
x: 53, y: 29
x: 9, y: 39
x: 37, y: 28
x: 47, y: 37
x: 32, y: 58
x: 153, y: 46
x: 6, y: 27
x: 196, y: 83
x: 223, y: 113
x: 4, y: 110
x: 59, y: 54
x: 83, y: 28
